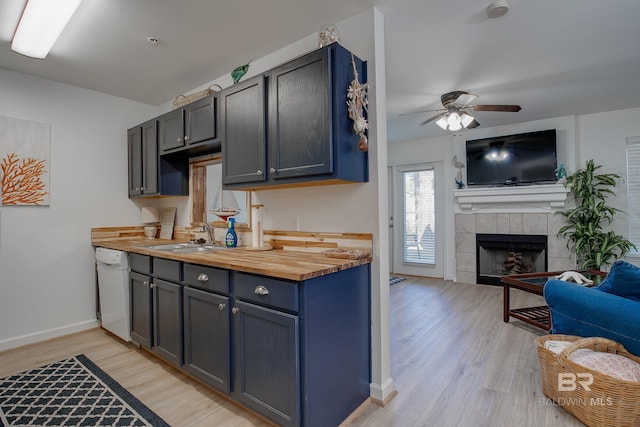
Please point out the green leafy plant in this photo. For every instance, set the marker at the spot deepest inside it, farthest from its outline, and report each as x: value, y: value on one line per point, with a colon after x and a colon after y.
x: 585, y: 223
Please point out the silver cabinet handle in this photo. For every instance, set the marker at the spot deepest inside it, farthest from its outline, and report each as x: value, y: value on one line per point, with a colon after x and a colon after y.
x: 152, y: 285
x: 186, y: 137
x: 203, y: 277
x: 179, y: 139
x: 141, y: 188
x: 259, y: 172
x: 145, y: 283
x: 235, y: 310
x: 221, y: 306
x: 261, y: 290
x: 272, y: 170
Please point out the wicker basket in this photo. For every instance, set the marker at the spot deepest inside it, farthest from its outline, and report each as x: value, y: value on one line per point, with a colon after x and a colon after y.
x: 608, y: 402
x: 182, y: 100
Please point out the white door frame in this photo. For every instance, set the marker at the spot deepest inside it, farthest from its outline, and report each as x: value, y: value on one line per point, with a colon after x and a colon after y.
x: 397, y: 265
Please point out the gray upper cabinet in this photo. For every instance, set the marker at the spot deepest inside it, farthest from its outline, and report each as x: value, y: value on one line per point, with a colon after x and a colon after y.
x: 300, y: 138
x: 150, y: 174
x: 242, y: 118
x: 143, y: 159
x: 189, y: 128
x: 310, y: 137
x: 171, y: 130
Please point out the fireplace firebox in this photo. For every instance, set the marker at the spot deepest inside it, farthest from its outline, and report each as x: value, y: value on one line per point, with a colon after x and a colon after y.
x: 504, y: 254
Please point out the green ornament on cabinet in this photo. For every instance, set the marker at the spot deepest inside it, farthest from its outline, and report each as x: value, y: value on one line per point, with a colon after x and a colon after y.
x: 239, y: 72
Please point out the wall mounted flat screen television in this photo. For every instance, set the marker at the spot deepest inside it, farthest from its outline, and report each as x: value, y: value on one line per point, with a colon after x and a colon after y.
x: 521, y: 159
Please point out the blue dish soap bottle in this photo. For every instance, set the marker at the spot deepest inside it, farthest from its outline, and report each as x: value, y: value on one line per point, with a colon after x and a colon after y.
x: 231, y: 239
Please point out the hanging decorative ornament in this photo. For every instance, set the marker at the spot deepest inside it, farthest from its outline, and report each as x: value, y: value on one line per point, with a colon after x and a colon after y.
x: 239, y: 72
x: 327, y: 35
x: 357, y: 103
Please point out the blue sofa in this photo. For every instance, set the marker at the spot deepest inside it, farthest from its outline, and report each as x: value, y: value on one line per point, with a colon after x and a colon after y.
x: 610, y: 310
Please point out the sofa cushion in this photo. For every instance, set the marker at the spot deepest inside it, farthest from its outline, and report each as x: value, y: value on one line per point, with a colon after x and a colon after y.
x: 623, y: 280
x: 613, y: 365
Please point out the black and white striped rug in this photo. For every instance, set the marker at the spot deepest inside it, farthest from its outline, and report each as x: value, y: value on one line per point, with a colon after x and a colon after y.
x: 72, y: 392
x: 395, y: 279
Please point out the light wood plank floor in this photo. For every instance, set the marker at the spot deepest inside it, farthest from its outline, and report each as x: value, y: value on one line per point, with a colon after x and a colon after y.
x: 454, y: 363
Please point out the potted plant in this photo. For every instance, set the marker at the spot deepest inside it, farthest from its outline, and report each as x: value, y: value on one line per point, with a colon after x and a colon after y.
x: 585, y: 223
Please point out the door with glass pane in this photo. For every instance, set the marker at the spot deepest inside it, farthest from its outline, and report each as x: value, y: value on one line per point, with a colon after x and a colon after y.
x: 418, y: 224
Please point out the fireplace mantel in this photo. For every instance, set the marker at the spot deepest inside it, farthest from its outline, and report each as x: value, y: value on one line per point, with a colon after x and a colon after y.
x: 529, y: 198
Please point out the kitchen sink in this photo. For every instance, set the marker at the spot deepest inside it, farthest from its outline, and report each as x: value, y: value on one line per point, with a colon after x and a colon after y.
x: 199, y: 248
x: 171, y: 246
x: 185, y: 248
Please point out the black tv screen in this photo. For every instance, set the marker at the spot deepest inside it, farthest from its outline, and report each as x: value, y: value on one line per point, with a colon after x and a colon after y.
x: 525, y: 158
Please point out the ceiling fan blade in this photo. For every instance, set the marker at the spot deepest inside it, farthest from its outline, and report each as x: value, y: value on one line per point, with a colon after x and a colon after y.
x: 436, y: 117
x: 465, y: 99
x: 421, y: 111
x: 473, y: 124
x: 505, y: 108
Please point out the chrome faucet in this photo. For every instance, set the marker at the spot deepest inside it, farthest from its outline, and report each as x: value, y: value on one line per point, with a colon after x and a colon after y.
x: 210, y: 231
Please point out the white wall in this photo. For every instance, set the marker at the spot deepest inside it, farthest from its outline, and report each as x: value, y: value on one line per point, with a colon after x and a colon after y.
x: 47, y: 274
x: 603, y: 138
x: 600, y: 136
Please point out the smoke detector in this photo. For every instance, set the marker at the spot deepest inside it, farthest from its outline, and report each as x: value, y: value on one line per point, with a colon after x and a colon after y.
x: 498, y: 9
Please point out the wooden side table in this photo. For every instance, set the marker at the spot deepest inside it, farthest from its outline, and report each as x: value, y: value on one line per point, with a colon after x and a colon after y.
x: 534, y: 283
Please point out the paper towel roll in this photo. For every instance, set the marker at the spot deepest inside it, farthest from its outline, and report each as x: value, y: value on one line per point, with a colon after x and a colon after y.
x: 257, y: 230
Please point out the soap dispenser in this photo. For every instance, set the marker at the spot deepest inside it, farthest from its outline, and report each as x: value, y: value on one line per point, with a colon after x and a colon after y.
x: 231, y: 239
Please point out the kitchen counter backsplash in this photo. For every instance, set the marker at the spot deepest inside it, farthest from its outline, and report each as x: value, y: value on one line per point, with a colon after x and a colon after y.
x: 287, y: 240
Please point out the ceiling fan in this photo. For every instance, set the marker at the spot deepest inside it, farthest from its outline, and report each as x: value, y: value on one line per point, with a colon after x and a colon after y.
x: 456, y: 110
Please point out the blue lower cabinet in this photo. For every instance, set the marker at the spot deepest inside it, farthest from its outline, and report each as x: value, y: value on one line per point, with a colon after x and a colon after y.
x: 140, y: 303
x: 206, y: 337
x: 267, y: 374
x: 302, y: 349
x: 296, y: 352
x: 167, y: 321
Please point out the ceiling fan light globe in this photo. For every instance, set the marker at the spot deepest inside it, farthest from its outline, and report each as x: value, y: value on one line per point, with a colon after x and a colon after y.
x: 455, y: 127
x: 453, y: 119
x: 442, y: 122
x: 466, y: 119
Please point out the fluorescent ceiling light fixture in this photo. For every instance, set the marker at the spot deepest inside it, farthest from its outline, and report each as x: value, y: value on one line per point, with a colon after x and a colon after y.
x: 41, y: 23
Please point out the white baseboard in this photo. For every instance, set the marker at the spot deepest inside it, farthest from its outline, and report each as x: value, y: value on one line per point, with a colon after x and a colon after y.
x: 381, y: 392
x: 34, y: 337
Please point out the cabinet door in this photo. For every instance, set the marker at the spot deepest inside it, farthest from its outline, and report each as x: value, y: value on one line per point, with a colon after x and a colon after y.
x: 199, y: 120
x: 167, y: 321
x: 242, y: 118
x: 134, y: 149
x: 300, y: 137
x: 150, y: 158
x: 267, y: 375
x: 206, y: 337
x: 140, y: 291
x: 171, y: 130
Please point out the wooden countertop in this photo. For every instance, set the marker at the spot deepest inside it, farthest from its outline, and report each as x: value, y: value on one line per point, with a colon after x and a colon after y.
x: 283, y: 264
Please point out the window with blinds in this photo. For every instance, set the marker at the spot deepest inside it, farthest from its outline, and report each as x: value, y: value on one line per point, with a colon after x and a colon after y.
x: 633, y: 189
x: 419, y: 244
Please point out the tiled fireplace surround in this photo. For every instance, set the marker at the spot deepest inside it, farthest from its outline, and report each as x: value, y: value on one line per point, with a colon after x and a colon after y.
x: 509, y: 211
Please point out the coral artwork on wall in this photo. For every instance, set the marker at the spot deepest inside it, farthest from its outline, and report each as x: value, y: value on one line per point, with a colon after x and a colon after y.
x: 24, y: 162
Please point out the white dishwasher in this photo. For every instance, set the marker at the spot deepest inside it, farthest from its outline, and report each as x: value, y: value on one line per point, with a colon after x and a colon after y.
x: 113, y: 286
